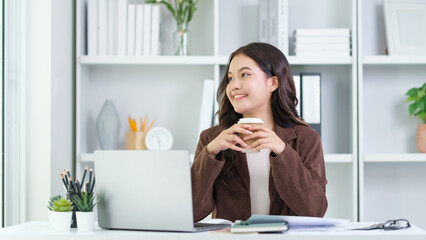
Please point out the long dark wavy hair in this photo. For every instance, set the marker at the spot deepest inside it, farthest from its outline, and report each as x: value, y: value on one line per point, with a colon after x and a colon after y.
x: 283, y: 100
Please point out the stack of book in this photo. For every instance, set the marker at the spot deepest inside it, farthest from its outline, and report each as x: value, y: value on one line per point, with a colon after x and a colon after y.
x: 333, y: 42
x: 273, y: 23
x: 122, y: 28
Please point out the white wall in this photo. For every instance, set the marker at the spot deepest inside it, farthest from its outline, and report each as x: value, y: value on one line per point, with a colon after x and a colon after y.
x: 49, y: 101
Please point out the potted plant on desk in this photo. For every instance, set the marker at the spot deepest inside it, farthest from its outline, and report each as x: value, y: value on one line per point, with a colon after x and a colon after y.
x: 85, y: 215
x: 60, y: 214
x: 417, y: 97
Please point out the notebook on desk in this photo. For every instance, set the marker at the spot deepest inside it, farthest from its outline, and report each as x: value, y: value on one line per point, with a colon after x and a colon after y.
x: 145, y: 190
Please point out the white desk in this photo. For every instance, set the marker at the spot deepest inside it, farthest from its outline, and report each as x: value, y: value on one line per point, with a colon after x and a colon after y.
x: 39, y: 230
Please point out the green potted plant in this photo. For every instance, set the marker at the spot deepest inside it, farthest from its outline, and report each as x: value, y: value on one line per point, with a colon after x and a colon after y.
x: 182, y: 11
x: 60, y: 214
x: 417, y: 107
x: 85, y: 216
x: 50, y: 206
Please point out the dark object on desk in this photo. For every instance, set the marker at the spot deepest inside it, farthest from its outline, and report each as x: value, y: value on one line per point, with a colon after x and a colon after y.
x: 388, y: 225
x: 247, y: 226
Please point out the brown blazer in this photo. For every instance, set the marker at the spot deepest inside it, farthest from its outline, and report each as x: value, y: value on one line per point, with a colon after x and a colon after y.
x: 296, y: 181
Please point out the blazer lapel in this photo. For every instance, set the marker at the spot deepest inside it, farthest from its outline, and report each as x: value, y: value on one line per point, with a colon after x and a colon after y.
x: 242, y: 168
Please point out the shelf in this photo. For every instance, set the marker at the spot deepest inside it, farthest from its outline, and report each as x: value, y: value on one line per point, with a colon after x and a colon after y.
x: 203, y: 60
x: 394, y: 157
x: 338, y: 158
x: 158, y: 60
x: 329, y: 158
x: 385, y: 60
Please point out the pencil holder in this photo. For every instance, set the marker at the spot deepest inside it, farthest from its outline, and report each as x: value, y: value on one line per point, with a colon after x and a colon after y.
x: 70, y: 197
x: 135, y: 140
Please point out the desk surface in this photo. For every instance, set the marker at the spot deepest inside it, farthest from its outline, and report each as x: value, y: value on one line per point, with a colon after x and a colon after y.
x: 39, y: 230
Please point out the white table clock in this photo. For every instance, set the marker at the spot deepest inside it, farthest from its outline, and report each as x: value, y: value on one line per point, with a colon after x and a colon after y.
x: 159, y: 138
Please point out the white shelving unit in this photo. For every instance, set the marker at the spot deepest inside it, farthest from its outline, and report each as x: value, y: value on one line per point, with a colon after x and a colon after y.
x: 373, y: 169
x: 391, y: 171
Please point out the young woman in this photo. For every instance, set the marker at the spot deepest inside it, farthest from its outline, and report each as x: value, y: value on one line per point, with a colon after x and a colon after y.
x: 287, y: 175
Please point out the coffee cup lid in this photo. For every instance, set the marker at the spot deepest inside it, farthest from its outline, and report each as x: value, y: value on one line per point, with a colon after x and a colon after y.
x: 250, y: 120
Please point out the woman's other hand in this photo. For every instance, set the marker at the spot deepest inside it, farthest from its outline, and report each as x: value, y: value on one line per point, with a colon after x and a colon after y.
x: 229, y: 139
x: 265, y: 138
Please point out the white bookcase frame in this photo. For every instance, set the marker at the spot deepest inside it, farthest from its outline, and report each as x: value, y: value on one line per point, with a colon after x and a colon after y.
x: 347, y: 83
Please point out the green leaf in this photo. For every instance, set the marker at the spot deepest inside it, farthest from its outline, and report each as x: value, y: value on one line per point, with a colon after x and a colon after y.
x: 412, y: 92
x: 412, y: 108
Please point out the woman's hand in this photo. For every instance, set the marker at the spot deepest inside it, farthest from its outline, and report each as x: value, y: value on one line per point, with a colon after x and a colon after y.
x: 265, y: 138
x: 228, y: 139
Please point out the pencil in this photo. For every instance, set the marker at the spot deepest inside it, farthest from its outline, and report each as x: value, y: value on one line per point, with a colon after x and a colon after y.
x: 150, y: 125
x: 144, y: 122
x: 90, y: 179
x: 84, y: 174
x: 66, y: 178
x: 78, y: 185
x: 62, y: 178
x: 68, y: 173
x: 93, y: 185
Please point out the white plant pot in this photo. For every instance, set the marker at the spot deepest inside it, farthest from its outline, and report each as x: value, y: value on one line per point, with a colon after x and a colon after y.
x: 85, y: 221
x: 60, y: 221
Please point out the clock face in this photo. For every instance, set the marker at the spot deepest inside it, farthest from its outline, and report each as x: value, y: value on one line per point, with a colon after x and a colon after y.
x: 159, y: 138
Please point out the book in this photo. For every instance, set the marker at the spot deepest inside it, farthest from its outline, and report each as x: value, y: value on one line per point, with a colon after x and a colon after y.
x: 246, y: 227
x: 146, y: 50
x: 121, y: 27
x: 311, y: 97
x: 131, y: 23
x: 328, y: 32
x: 298, y: 221
x: 322, y: 46
x: 273, y: 24
x: 103, y: 28
x: 322, y: 53
x: 155, y: 30
x: 92, y: 27
x: 322, y: 39
x: 139, y: 30
x: 263, y: 21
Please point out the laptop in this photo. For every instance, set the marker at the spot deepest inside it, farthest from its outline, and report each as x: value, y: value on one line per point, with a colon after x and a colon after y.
x: 146, y: 190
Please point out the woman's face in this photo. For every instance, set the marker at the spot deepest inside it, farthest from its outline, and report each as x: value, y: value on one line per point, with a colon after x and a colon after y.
x: 249, y: 89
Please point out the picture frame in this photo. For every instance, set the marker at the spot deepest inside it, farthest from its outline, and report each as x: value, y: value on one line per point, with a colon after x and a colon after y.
x: 405, y: 24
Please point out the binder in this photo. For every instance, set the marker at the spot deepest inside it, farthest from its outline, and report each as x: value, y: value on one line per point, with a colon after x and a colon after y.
x: 311, y: 98
x: 207, y: 104
x: 296, y: 79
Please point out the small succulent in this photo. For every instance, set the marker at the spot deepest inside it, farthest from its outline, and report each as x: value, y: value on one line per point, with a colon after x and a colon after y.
x: 62, y: 205
x: 51, y: 200
x: 84, y: 203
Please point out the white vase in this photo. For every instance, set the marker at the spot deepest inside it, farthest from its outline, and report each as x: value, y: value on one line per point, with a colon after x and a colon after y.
x: 61, y: 221
x: 49, y: 218
x: 108, y: 126
x: 85, y: 221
